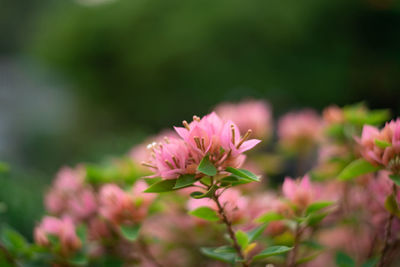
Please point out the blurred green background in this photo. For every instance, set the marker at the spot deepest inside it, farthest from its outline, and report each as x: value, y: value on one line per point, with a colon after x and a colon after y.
x: 85, y: 79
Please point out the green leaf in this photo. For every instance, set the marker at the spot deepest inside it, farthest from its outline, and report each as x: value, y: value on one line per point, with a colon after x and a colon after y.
x: 391, y: 205
x: 344, y: 260
x: 207, y: 167
x: 242, y: 239
x: 209, y: 193
x: 225, y: 249
x: 221, y: 256
x: 357, y: 168
x: 205, y: 213
x: 271, y: 251
x: 269, y: 217
x: 395, y: 179
x: 161, y: 186
x: 242, y: 173
x: 382, y: 144
x: 317, y: 206
x: 13, y: 241
x: 184, y: 181
x: 370, y: 263
x: 79, y: 259
x: 256, y: 232
x: 130, y: 232
x: 316, y: 218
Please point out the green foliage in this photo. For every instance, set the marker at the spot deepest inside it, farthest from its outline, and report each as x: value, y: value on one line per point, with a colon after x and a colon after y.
x: 392, y: 206
x: 207, y: 167
x: 205, y: 213
x: 256, y: 232
x: 242, y: 239
x: 269, y: 217
x: 344, y: 260
x: 162, y: 186
x: 357, y: 168
x: 130, y: 232
x: 317, y: 206
x: 225, y: 254
x: 395, y: 179
x: 382, y: 144
x: 184, y: 181
x: 271, y: 251
x: 243, y: 174
x: 209, y: 194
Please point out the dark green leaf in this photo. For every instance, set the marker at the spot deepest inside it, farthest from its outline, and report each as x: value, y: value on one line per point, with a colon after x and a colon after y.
x: 130, y: 232
x: 205, y: 213
x: 207, y: 167
x: 79, y: 259
x: 161, y: 186
x: 271, y: 251
x: 242, y: 173
x: 269, y: 217
x: 370, y: 263
x: 344, y: 260
x: 315, y: 218
x: 184, y: 181
x: 357, y: 168
x: 317, y: 206
x: 256, y: 232
x: 209, y: 193
x: 395, y: 179
x: 221, y: 256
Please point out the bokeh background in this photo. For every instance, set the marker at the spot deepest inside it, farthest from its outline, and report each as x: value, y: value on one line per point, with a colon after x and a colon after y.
x: 86, y: 79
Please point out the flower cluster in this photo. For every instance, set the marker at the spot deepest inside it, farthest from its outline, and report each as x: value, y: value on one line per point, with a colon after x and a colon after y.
x: 209, y: 136
x: 382, y: 147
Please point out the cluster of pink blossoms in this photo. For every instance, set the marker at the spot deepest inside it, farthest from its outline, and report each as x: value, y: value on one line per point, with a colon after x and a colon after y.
x: 72, y: 201
x: 300, y: 130
x: 382, y: 147
x: 63, y: 229
x: 70, y: 196
x: 210, y: 135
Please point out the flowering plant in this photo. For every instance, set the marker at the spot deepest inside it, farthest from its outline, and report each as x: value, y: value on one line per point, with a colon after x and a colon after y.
x: 206, y: 194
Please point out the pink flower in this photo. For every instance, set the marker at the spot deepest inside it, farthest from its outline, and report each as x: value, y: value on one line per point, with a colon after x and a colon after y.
x: 249, y: 114
x: 70, y: 196
x: 63, y: 229
x: 300, y: 130
x: 170, y: 159
x: 301, y: 192
x: 120, y: 207
x: 333, y: 114
x: 211, y: 136
x: 379, y: 155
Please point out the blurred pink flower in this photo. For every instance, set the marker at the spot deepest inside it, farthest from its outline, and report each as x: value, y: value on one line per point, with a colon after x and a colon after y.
x: 300, y: 130
x: 63, y: 229
x: 333, y: 114
x: 249, y: 114
x: 378, y: 155
x: 301, y: 192
x: 121, y: 207
x: 70, y: 196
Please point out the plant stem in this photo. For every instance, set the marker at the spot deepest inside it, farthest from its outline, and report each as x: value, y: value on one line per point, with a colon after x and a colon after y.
x: 231, y: 233
x: 293, y: 254
x: 7, y: 254
x: 388, y: 232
